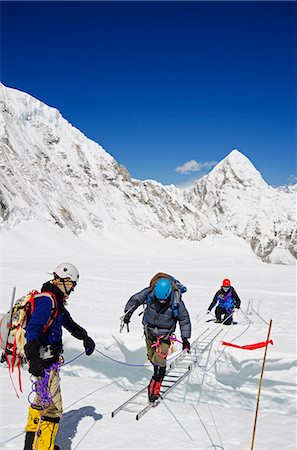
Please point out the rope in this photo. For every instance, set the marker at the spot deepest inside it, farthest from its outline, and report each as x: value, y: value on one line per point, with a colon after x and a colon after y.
x: 253, y: 309
x: 205, y: 428
x: 220, y: 354
x: 41, y: 387
x: 180, y: 424
x: 121, y: 362
x: 11, y: 439
x: 214, y: 422
x: 130, y: 364
x: 85, y: 434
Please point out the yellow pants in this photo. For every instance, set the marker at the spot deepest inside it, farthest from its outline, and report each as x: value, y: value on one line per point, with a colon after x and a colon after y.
x: 45, y: 422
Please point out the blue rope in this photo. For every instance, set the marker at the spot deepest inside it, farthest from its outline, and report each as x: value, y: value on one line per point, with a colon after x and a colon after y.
x: 73, y: 359
x: 121, y: 362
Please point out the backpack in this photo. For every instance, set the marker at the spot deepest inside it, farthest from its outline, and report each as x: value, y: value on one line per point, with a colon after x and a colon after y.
x: 13, y: 327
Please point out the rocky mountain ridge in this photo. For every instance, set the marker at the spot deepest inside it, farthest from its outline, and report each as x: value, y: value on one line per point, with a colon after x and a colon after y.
x: 51, y: 172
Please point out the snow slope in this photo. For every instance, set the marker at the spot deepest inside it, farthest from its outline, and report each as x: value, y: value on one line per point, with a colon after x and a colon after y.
x: 113, y: 267
x: 51, y: 172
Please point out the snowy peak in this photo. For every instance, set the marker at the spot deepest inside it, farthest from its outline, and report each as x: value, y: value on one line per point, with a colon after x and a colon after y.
x: 237, y: 171
x: 51, y: 172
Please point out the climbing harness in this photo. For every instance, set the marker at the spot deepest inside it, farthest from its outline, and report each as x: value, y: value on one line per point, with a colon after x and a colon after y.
x: 157, y: 345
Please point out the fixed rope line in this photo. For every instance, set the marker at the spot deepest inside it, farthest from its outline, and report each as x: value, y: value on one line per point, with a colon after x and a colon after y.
x: 200, y: 320
x: 236, y: 337
x: 205, y: 428
x: 214, y: 422
x: 85, y: 435
x: 260, y: 317
x: 11, y: 439
x: 201, y: 391
x: 176, y: 419
x: 130, y: 364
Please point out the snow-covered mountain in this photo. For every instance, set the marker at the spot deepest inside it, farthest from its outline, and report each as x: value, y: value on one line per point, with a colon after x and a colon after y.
x: 235, y: 197
x: 51, y: 172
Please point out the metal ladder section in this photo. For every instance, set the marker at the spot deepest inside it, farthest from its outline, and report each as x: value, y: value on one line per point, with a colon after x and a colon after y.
x: 177, y: 371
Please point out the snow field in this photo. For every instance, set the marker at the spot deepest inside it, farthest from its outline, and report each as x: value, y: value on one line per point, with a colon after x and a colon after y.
x: 117, y: 264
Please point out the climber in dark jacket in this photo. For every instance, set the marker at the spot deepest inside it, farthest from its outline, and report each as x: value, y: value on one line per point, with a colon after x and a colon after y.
x: 227, y: 299
x: 164, y: 308
x: 43, y: 350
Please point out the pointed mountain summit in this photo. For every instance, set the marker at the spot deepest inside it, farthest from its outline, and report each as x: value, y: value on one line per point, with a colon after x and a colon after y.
x: 51, y: 172
x: 237, y: 171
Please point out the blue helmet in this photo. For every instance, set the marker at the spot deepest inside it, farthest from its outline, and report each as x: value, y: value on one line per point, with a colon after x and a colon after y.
x: 163, y: 289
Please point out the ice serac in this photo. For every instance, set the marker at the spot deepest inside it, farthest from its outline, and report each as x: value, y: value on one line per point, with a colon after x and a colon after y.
x: 53, y: 173
x: 237, y: 199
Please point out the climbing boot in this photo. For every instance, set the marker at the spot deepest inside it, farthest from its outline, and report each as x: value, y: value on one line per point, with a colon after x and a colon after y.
x: 154, y: 390
x: 29, y: 439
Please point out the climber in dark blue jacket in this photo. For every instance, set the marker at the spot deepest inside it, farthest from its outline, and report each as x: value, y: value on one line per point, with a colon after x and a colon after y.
x: 164, y: 308
x: 226, y: 300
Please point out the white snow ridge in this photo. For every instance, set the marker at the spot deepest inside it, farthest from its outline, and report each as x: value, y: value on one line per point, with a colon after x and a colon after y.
x: 65, y: 199
x: 51, y: 172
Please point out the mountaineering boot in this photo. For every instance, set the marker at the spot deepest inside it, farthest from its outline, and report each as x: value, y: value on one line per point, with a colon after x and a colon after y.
x: 157, y: 390
x: 218, y: 321
x: 154, y: 390
x: 151, y: 389
x: 29, y: 440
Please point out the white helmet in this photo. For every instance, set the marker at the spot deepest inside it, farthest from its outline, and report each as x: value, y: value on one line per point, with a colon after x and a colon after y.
x: 67, y: 270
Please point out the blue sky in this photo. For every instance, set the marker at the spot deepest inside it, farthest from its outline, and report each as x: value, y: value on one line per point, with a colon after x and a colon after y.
x: 163, y: 84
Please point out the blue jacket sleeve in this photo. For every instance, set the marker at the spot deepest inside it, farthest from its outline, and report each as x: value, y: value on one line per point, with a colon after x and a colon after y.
x: 76, y: 330
x: 214, y: 302
x: 136, y: 300
x: 40, y: 316
x: 184, y: 321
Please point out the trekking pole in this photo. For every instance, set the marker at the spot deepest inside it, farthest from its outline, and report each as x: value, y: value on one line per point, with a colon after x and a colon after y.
x: 260, y: 386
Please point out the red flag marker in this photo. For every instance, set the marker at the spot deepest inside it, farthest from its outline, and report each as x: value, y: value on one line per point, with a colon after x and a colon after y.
x: 249, y: 346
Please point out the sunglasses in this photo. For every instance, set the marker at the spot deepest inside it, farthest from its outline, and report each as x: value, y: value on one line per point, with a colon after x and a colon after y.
x: 69, y: 281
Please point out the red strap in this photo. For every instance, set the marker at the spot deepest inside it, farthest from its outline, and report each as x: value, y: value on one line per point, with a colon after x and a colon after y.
x: 54, y: 312
x: 249, y: 346
x: 13, y: 355
x: 10, y: 376
x: 20, y: 376
x: 157, y: 345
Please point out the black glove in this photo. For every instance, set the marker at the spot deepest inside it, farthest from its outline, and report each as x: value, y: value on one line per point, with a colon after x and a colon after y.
x: 89, y: 345
x: 36, y: 364
x: 127, y: 317
x: 186, y: 345
x: 36, y: 367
